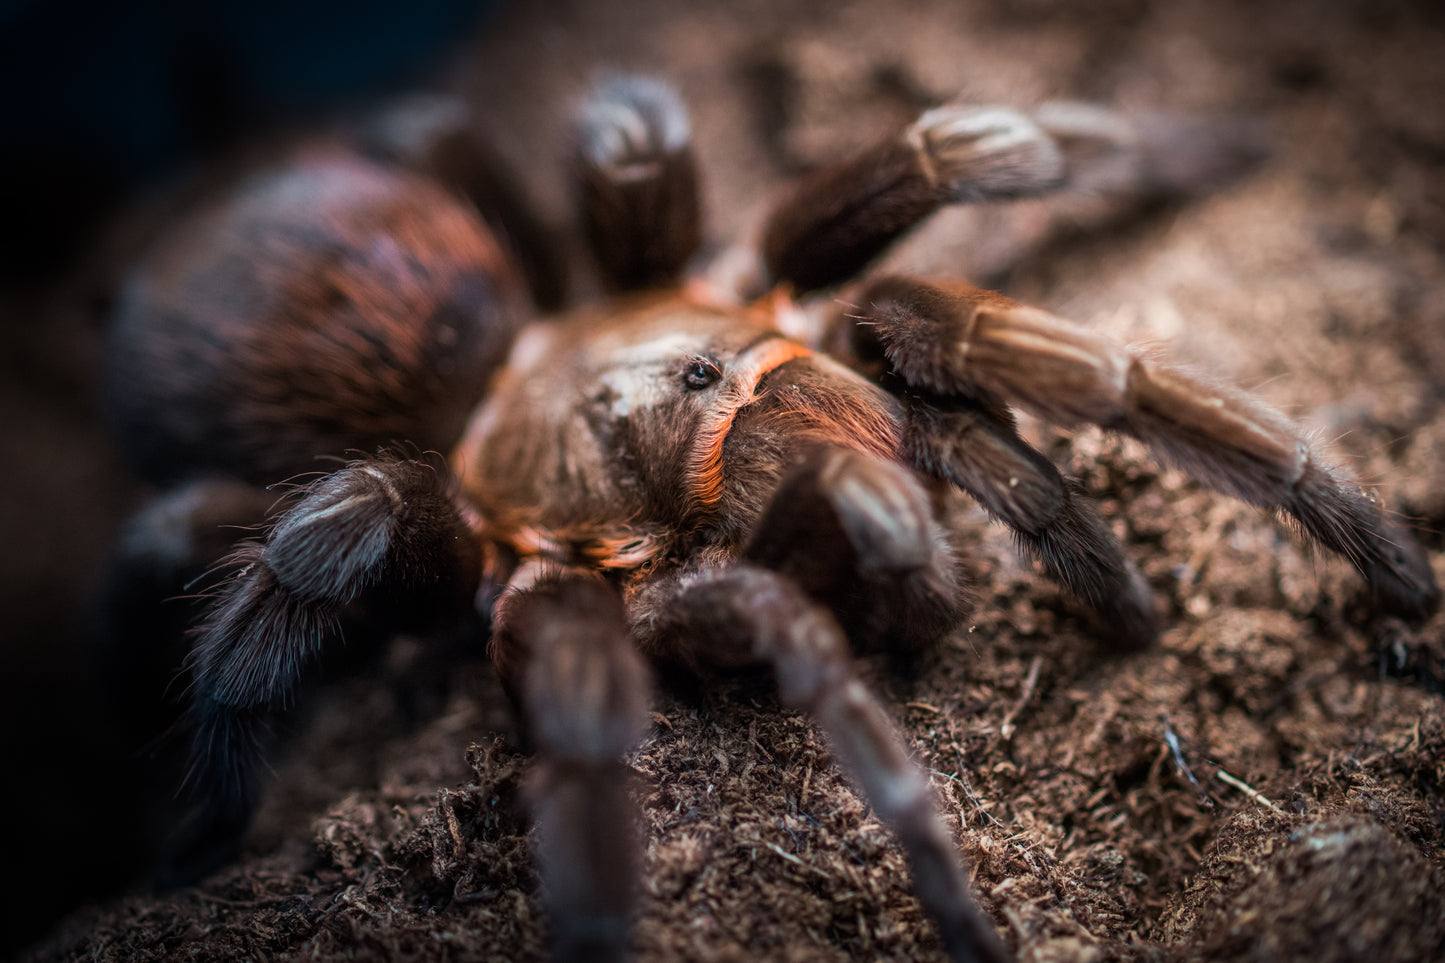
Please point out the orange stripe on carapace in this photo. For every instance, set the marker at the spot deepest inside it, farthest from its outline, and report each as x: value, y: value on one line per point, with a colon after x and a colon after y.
x: 705, y: 476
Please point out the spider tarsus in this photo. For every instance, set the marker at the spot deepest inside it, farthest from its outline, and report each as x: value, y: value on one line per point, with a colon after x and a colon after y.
x: 1151, y: 155
x: 219, y: 791
x: 968, y: 934
x: 637, y: 180
x: 230, y: 743
x: 863, y: 736
x: 223, y: 796
x: 1238, y: 445
x: 1346, y: 520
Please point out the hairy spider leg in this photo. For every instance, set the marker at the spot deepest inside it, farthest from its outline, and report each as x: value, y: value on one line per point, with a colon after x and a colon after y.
x: 584, y: 693
x: 637, y: 182
x: 976, y: 446
x: 845, y: 215
x: 387, y: 533
x: 864, y: 524
x: 746, y: 615
x: 841, y: 217
x: 958, y: 340
x: 858, y: 534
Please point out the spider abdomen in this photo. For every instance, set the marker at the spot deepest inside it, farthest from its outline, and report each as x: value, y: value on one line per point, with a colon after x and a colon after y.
x: 332, y: 306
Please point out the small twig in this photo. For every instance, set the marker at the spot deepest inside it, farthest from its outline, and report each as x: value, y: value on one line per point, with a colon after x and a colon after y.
x: 1247, y: 789
x: 793, y: 859
x: 962, y: 780
x: 1172, y: 741
x: 1006, y: 728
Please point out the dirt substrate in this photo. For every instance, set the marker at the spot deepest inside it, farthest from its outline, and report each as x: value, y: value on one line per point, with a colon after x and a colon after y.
x: 1268, y: 783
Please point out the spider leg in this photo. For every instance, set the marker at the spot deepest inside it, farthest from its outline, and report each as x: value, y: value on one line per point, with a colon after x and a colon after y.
x: 384, y: 533
x: 584, y: 692
x: 960, y: 340
x: 846, y: 539
x: 974, y: 444
x: 977, y: 447
x: 745, y: 615
x: 637, y: 181
x: 875, y: 555
x: 842, y: 216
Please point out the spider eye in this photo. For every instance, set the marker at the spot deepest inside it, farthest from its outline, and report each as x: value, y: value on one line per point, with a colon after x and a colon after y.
x: 700, y: 373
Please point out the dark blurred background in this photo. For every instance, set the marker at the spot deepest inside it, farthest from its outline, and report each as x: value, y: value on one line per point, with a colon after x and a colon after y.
x: 103, y: 98
x: 106, y: 103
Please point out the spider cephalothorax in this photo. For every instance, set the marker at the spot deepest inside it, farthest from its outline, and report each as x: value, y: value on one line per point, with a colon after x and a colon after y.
x: 666, y: 474
x: 619, y: 433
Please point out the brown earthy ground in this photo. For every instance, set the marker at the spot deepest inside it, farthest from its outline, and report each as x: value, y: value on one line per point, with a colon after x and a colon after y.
x: 1267, y: 784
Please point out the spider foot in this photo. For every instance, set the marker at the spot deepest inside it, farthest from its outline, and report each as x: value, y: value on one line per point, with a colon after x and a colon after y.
x: 1349, y: 521
x: 1151, y: 155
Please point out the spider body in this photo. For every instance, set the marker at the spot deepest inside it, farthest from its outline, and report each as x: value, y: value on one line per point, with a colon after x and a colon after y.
x: 621, y: 435
x: 666, y: 474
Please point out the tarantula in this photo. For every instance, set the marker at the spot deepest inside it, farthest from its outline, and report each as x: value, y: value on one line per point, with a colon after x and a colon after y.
x: 665, y: 477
